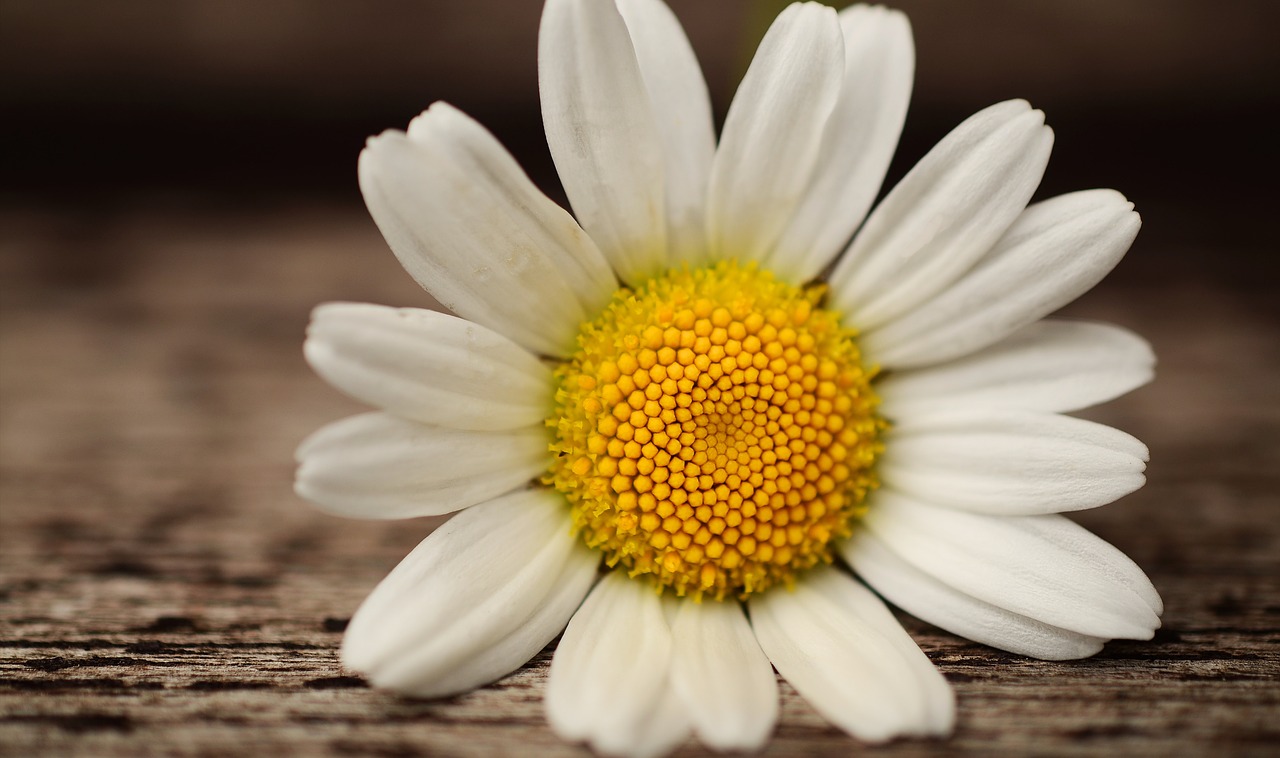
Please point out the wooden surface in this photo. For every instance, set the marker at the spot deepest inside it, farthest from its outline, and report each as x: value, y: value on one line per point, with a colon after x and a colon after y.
x: 162, y: 591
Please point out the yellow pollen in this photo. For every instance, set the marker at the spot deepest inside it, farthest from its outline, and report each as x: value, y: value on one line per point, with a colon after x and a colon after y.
x: 715, y: 431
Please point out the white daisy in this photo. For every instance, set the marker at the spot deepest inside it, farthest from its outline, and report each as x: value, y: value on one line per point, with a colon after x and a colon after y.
x: 668, y: 390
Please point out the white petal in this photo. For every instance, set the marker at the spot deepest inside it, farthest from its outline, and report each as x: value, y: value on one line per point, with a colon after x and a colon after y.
x: 475, y: 600
x: 379, y: 466
x: 943, y: 216
x: 1052, y: 254
x: 428, y: 366
x: 720, y: 673
x: 773, y: 132
x: 843, y: 651
x: 940, y: 604
x: 1044, y: 567
x: 857, y: 143
x: 662, y: 730
x: 1011, y: 462
x: 682, y: 109
x: 610, y: 673
x: 471, y: 228
x: 1054, y: 366
x: 602, y: 133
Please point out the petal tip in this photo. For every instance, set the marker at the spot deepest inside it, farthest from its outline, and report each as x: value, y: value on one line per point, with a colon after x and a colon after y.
x: 1015, y: 106
x: 320, y: 355
x: 379, y: 142
x: 811, y: 8
x: 438, y: 112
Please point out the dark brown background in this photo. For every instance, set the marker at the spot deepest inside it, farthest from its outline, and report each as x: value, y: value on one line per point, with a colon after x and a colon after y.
x: 178, y: 189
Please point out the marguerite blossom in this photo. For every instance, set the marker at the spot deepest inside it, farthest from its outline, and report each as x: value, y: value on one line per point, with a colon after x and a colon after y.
x: 691, y: 424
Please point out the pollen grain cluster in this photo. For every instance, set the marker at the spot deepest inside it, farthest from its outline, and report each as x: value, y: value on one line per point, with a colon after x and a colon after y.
x: 715, y: 431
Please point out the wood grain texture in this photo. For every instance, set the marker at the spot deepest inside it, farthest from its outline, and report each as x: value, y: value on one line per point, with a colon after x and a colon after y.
x: 162, y: 591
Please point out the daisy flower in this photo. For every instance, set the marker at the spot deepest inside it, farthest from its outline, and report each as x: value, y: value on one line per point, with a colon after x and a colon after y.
x: 691, y: 424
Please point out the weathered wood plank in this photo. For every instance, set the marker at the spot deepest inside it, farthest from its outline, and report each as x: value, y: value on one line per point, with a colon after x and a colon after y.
x: 163, y: 592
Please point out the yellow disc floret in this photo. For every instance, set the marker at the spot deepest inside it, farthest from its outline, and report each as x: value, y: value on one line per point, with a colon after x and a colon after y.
x: 715, y: 431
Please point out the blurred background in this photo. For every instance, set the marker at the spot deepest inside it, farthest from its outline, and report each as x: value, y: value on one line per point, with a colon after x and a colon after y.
x: 242, y: 101
x: 178, y: 190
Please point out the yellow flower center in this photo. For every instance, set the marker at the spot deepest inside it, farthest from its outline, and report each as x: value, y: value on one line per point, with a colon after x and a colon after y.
x: 715, y: 431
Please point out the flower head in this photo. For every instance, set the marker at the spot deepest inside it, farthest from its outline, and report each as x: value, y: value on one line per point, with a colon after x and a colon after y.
x: 669, y: 435
x: 715, y: 431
